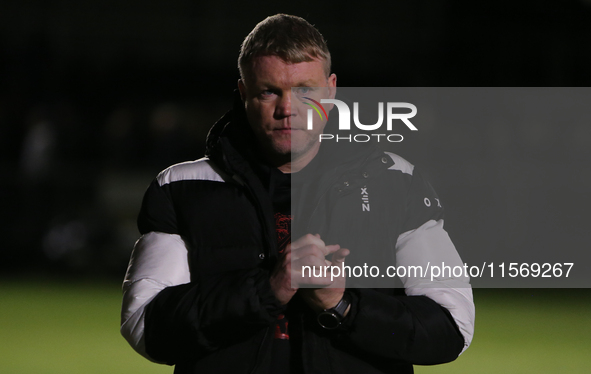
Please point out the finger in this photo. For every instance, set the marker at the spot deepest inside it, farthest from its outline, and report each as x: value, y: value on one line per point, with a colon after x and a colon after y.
x: 339, y: 256
x: 316, y: 274
x: 308, y: 239
x: 320, y: 247
x: 332, y: 248
x: 309, y: 250
x: 287, y: 249
x: 297, y: 264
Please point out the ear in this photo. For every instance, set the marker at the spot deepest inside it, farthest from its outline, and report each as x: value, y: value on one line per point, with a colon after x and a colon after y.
x: 332, y: 86
x: 242, y: 89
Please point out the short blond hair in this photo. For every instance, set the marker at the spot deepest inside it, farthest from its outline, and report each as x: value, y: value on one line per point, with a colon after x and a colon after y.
x: 291, y: 38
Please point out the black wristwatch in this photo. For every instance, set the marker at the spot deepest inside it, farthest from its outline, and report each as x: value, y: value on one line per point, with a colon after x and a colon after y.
x: 331, y: 318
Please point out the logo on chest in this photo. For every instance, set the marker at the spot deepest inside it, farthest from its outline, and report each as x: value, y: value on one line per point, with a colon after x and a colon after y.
x: 283, y: 230
x: 364, y: 199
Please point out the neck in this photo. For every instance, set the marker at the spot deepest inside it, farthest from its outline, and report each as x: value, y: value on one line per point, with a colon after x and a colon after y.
x: 297, y: 163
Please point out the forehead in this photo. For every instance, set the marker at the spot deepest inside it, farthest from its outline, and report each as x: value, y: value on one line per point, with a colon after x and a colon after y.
x: 273, y: 71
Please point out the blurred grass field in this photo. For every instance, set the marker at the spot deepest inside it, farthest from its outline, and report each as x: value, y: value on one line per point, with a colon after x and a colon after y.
x: 73, y: 327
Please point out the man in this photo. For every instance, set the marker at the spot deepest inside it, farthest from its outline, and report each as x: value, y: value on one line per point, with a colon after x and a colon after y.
x: 209, y: 287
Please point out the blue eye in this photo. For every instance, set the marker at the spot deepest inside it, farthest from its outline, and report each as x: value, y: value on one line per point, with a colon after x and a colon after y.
x: 303, y: 90
x: 267, y: 94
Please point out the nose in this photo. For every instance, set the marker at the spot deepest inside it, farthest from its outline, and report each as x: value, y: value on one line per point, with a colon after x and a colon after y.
x: 283, y: 108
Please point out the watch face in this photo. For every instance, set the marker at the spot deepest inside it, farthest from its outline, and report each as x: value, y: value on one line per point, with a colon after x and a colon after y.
x: 328, y: 320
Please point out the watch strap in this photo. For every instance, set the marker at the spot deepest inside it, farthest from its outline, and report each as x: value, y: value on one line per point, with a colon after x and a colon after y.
x: 342, y: 306
x: 331, y: 318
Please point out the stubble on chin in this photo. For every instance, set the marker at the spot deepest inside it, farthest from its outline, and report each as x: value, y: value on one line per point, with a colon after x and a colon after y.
x: 275, y: 152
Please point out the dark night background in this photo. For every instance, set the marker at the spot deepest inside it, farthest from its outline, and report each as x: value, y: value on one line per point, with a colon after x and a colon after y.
x: 96, y: 97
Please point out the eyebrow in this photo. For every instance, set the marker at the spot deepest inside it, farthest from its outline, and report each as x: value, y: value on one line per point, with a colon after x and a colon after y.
x: 306, y: 83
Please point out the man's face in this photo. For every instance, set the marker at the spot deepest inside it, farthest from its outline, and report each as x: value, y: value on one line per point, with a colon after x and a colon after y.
x: 279, y: 119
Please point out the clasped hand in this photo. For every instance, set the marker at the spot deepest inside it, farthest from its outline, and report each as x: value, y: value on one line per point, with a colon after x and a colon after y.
x: 289, y: 275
